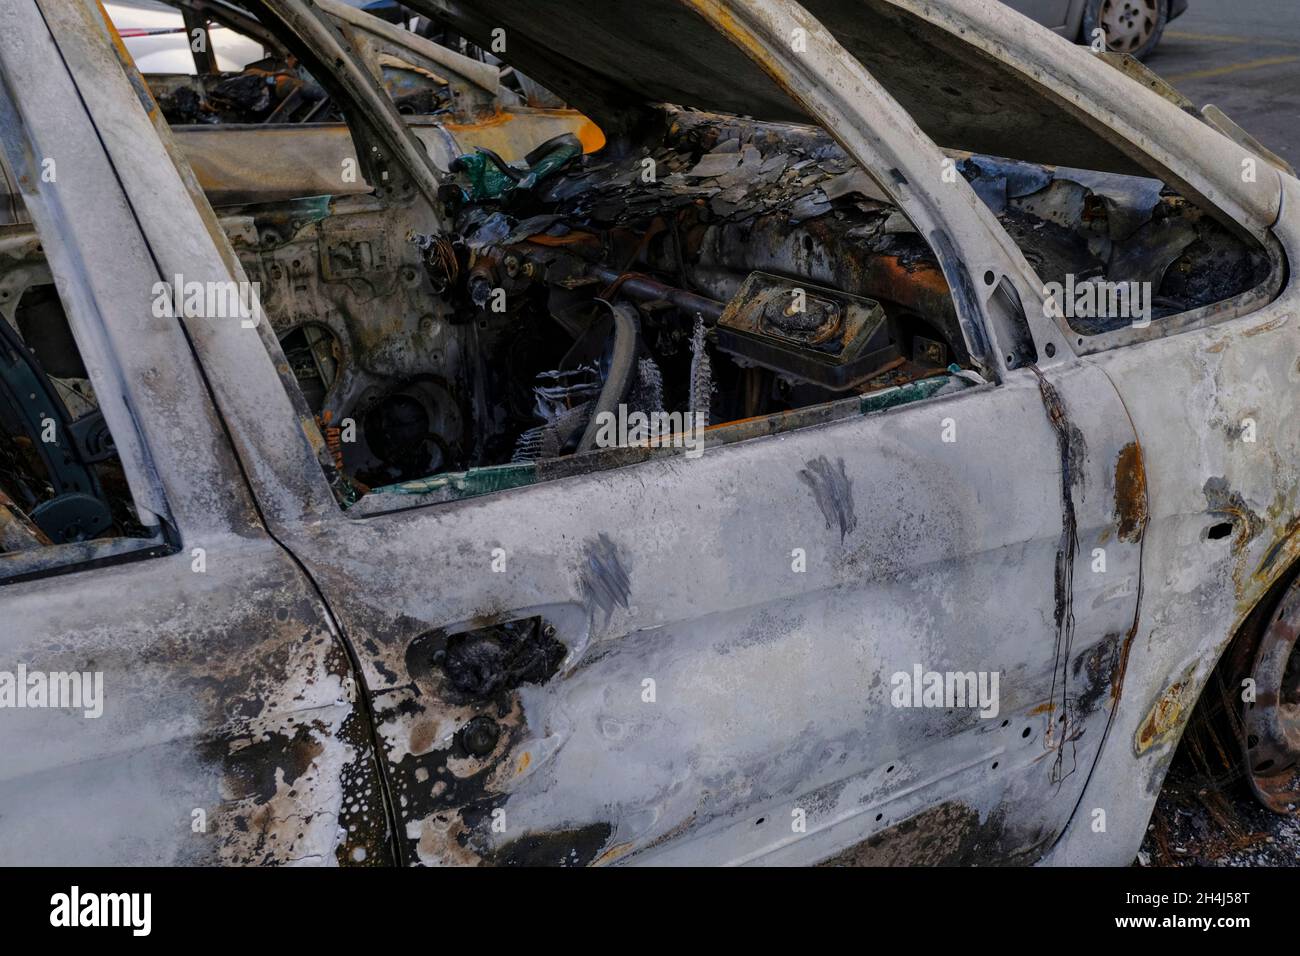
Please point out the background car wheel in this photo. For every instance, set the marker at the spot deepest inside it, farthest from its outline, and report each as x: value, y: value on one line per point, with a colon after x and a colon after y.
x: 1132, y: 26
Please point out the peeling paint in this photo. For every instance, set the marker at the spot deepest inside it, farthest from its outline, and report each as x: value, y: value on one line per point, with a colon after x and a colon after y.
x: 1131, y: 493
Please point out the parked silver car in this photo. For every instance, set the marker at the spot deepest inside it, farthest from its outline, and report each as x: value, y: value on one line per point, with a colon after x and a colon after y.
x: 864, y: 432
x: 1130, y: 26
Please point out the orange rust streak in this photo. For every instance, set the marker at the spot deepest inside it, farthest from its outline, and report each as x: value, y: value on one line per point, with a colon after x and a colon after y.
x: 921, y: 287
x: 773, y: 416
x: 498, y: 118
x: 612, y: 853
x: 569, y: 239
x: 1131, y: 493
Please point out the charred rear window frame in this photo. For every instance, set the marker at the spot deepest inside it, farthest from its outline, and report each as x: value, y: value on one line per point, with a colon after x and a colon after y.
x: 137, y: 463
x: 66, y: 558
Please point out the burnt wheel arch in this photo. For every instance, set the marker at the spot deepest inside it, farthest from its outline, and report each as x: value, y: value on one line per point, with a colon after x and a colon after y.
x: 1229, y: 741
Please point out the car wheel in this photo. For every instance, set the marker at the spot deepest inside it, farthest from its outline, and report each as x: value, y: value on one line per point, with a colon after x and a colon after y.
x: 1131, y: 26
x: 1272, y: 720
x: 1246, y: 724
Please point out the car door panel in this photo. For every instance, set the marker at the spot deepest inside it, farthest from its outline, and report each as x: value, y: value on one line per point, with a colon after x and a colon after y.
x: 229, y: 732
x: 771, y: 687
x: 911, y: 544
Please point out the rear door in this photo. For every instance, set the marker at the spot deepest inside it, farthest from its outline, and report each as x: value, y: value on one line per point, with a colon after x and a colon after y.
x: 180, y: 695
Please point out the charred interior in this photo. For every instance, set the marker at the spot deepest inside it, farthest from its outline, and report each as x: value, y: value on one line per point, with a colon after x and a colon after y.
x: 733, y: 270
x: 61, y: 480
x: 273, y: 90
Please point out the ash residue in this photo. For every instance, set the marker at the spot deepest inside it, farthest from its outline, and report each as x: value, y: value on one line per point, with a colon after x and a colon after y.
x: 1204, y: 826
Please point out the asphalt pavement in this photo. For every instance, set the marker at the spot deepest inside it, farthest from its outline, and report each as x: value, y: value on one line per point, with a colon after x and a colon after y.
x: 1244, y: 57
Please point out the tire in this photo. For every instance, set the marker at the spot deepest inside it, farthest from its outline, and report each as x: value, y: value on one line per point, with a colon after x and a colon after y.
x: 1132, y: 26
x: 1231, y: 739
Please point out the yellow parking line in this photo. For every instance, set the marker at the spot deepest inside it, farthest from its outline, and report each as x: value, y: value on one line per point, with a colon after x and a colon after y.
x: 1227, y: 38
x: 1231, y: 68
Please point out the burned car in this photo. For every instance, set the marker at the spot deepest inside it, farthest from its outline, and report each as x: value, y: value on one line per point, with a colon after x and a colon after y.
x: 846, y: 432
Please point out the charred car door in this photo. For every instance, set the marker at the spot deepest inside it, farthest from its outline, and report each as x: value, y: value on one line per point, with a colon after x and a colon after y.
x: 699, y: 660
